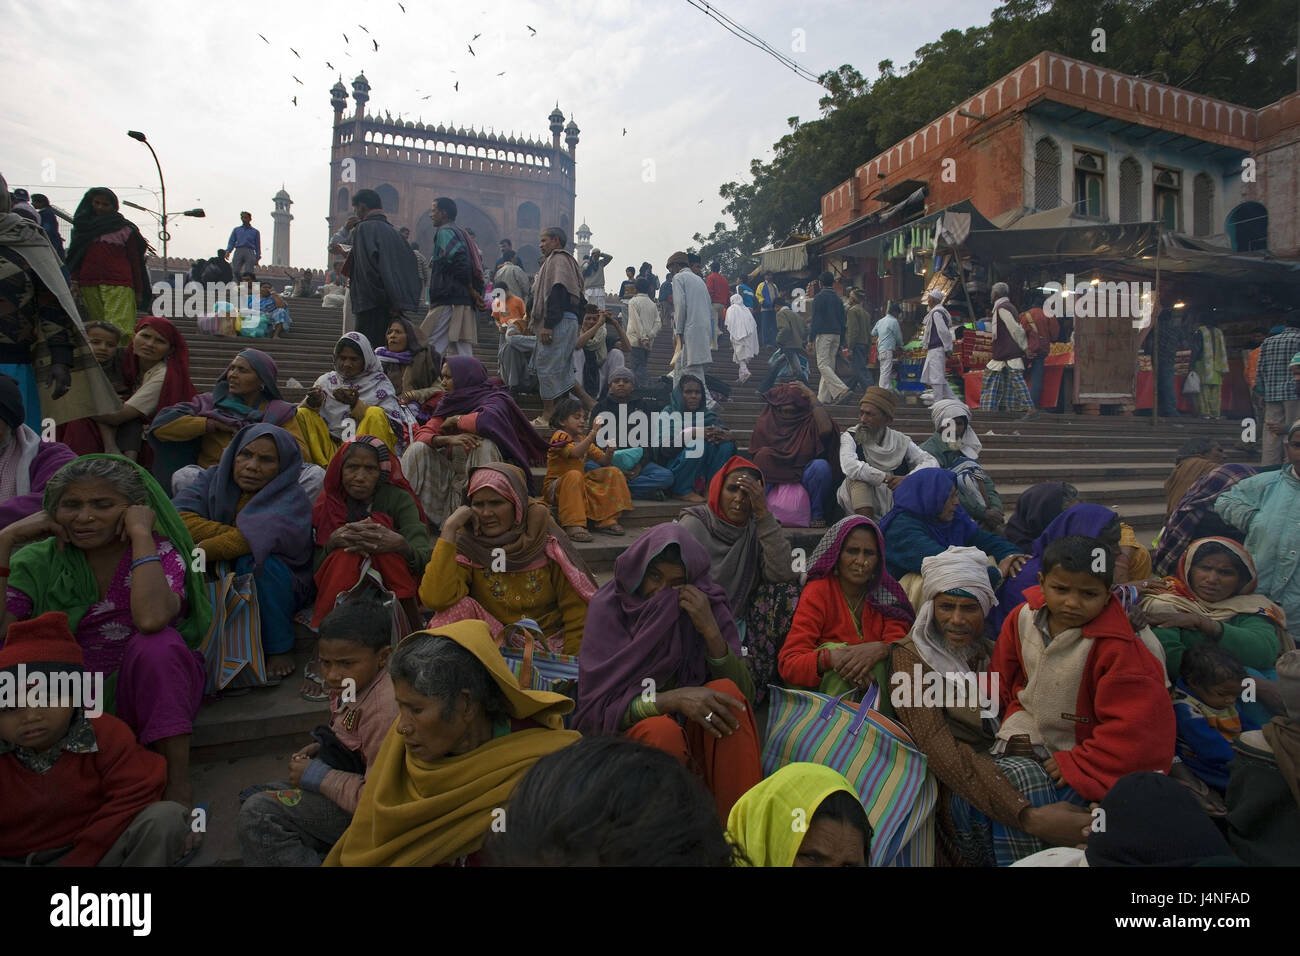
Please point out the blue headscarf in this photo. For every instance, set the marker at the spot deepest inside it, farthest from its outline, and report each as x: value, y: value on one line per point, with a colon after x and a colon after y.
x: 923, y: 494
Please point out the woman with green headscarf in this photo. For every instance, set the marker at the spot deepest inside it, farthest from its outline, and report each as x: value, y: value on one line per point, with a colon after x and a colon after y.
x: 805, y: 814
x: 110, y: 551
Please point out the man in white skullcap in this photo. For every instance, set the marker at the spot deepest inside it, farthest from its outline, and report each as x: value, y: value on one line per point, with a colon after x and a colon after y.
x: 936, y: 333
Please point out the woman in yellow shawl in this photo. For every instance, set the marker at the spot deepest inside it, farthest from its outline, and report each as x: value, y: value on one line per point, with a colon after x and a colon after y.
x: 465, y: 735
x: 805, y: 814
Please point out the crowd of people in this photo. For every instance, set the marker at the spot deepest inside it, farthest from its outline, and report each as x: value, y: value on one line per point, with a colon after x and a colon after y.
x: 1032, y: 664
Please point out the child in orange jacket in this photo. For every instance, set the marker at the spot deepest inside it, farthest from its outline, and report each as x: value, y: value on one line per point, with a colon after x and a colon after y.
x: 599, y: 494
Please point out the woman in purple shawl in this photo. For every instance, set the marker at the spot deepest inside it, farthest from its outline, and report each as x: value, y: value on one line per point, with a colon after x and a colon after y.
x: 250, y: 510
x: 474, y: 422
x: 661, y: 663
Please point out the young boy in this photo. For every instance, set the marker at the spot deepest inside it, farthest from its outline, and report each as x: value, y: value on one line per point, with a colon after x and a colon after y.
x: 1077, y: 681
x: 296, y: 823
x: 1205, y: 708
x: 75, y: 790
x: 105, y: 341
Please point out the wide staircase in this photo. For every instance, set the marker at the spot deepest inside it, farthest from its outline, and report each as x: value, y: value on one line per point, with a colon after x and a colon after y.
x: 1120, y: 462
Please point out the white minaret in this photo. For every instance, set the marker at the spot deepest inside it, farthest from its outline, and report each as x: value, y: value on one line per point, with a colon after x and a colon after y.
x: 582, y: 242
x: 282, y: 217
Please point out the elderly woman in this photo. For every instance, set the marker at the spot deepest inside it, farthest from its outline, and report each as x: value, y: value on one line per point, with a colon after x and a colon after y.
x: 1197, y: 516
x: 466, y: 735
x: 249, y: 509
x: 190, y: 437
x: 472, y: 423
x: 355, y: 399
x: 947, y: 648
x: 1035, y: 509
x: 955, y: 446
x: 850, y: 611
x: 1196, y: 456
x: 110, y: 551
x: 367, y: 515
x: 751, y: 558
x: 692, y: 471
x: 412, y: 365
x: 875, y: 458
x: 835, y: 831
x: 502, y: 558
x: 105, y: 259
x: 662, y: 646
x: 796, y: 443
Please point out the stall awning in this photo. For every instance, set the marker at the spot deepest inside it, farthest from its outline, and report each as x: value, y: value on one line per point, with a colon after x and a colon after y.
x: 786, y: 259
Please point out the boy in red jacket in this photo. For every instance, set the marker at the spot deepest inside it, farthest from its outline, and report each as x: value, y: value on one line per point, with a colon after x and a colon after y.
x: 74, y: 790
x: 1077, y: 681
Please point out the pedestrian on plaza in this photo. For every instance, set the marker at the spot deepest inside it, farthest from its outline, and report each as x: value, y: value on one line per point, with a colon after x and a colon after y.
x: 643, y: 325
x: 247, y: 245
x: 692, y: 322
x: 936, y: 333
x: 648, y: 273
x: 791, y: 345
x: 507, y: 253
x: 593, y: 275
x: 889, y: 339
x: 1210, y: 362
x: 556, y: 304
x: 1004, y: 375
x: 828, y: 334
x: 510, y: 276
x: 106, y: 261
x: 49, y: 221
x: 1274, y: 385
x: 456, y: 284
x: 628, y: 288
x: 719, y: 294
x: 765, y: 295
x: 858, y: 337
x: 384, y: 280
x: 1172, y: 338
x: 1041, y: 330
x: 744, y: 336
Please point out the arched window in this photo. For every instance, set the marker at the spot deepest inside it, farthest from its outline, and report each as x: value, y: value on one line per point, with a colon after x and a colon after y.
x: 1130, y: 190
x: 1247, y: 227
x: 388, y: 196
x: 528, y: 216
x: 1047, y: 174
x: 1202, y: 204
x: 343, y: 200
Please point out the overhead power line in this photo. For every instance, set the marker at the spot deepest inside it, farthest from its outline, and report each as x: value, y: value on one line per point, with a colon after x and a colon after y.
x: 738, y: 30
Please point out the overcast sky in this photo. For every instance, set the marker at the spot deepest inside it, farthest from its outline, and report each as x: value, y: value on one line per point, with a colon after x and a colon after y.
x: 216, y: 101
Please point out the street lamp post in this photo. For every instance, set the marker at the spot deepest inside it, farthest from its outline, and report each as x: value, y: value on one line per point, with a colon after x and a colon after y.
x: 162, y: 221
x: 136, y: 134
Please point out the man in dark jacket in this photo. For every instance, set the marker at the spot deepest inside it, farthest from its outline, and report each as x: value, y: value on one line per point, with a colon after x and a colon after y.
x: 828, y: 323
x: 455, y: 284
x: 385, y: 279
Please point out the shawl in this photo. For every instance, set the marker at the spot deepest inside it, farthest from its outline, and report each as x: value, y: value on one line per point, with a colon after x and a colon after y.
x: 277, y: 519
x: 91, y: 392
x: 884, y: 595
x: 87, y: 226
x: 949, y: 408
x: 1035, y: 510
x: 59, y: 578
x: 922, y: 494
x: 677, y: 402
x: 534, y: 539
x: 371, y: 383
x: 335, y: 508
x: 1214, y: 355
x: 497, y: 415
x: 34, y: 463
x: 1182, y: 477
x: 887, y: 453
x: 422, y: 356
x: 176, y: 387
x: 629, y: 639
x: 957, y: 569
x: 760, y: 821
x: 414, y: 812
x: 558, y: 268
x: 1184, y: 523
x: 1245, y: 601
x: 219, y: 405
x: 784, y: 447
x: 735, y: 555
x: 742, y: 329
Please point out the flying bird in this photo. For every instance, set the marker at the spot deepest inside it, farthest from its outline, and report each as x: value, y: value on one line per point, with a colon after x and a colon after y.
x: 296, y: 80
x: 376, y: 43
x: 624, y: 130
x: 265, y: 40
x: 362, y: 27
x: 502, y: 73
x: 457, y: 86
x: 699, y: 202
x: 425, y: 97
x: 329, y: 64
x: 531, y: 30
x: 403, y: 8
x: 295, y: 101
x: 475, y: 37
x: 471, y: 50
x: 295, y: 53
x: 345, y: 38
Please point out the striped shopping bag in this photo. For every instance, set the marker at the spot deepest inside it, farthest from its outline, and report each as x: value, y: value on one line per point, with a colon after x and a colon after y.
x: 874, y: 753
x: 537, y: 668
x: 232, y: 649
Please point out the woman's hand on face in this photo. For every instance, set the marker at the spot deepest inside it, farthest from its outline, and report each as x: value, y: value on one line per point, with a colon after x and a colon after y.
x: 137, y: 520
x: 709, y: 708
x: 462, y: 517
x: 757, y: 495
x: 1012, y: 564
x: 697, y: 607
x: 34, y: 527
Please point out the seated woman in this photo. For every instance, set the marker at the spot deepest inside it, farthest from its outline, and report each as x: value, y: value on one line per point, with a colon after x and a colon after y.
x: 266, y: 314
x: 875, y: 457
x: 692, y: 472
x: 1196, y: 456
x: 472, y: 422
x: 411, y: 364
x: 947, y: 647
x: 368, y: 514
x: 466, y: 734
x: 850, y: 611
x: 751, y: 558
x: 835, y: 830
x: 355, y: 399
x: 249, y: 509
x: 1035, y: 509
x: 663, y: 645
x: 1196, y: 517
x: 927, y: 520
x: 502, y: 558
x: 156, y: 366
x: 110, y: 551
x: 795, y: 442
x: 955, y: 446
x: 190, y: 437
x: 26, y: 462
x: 645, y: 478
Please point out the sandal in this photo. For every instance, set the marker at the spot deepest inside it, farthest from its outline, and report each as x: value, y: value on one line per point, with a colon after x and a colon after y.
x: 578, y: 534
x: 313, y: 688
x: 615, y: 529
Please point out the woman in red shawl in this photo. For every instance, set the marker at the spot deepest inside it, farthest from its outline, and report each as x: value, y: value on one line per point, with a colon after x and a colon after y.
x: 105, y: 259
x: 367, y: 513
x: 662, y: 664
x: 795, y: 442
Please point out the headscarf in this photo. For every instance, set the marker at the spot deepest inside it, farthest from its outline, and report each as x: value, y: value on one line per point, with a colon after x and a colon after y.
x: 884, y: 595
x: 335, y: 507
x: 176, y: 387
x: 677, y: 402
x: 414, y: 812
x: 498, y: 417
x: 277, y: 519
x: 371, y: 383
x: 735, y: 555
x: 946, y: 409
x: 87, y: 226
x: 534, y: 539
x: 1183, y: 526
x: 783, y: 447
x: 762, y: 821
x: 922, y: 494
x: 58, y: 577
x: 1035, y: 510
x: 414, y: 343
x: 630, y: 638
x: 961, y: 570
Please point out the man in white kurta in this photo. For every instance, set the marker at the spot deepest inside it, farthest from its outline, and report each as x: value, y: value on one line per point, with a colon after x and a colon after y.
x: 692, y: 323
x: 875, y: 457
x: 936, y: 333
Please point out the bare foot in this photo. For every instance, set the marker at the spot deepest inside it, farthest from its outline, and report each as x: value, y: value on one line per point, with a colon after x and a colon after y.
x: 280, y: 666
x: 692, y: 497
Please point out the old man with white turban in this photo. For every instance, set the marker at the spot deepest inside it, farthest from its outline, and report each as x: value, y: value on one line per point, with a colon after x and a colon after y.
x: 956, y: 447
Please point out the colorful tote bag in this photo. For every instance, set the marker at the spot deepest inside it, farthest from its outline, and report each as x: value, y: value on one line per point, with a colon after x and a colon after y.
x: 535, y: 667
x: 232, y: 649
x: 874, y: 753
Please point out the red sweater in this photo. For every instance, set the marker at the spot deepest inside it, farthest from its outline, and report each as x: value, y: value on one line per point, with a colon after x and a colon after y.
x: 719, y: 290
x: 85, y: 801
x: 1123, y: 720
x: 822, y: 617
x: 106, y: 264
